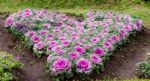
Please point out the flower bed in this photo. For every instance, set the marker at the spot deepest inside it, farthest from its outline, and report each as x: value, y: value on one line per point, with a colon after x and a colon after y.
x: 7, y: 64
x: 74, y: 47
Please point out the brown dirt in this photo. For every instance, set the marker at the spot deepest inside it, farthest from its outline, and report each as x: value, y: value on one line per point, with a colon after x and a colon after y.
x: 122, y: 65
x: 33, y: 68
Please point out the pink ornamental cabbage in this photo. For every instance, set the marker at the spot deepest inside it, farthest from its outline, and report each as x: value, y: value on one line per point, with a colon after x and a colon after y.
x: 62, y: 38
x: 46, y: 26
x: 28, y: 14
x: 50, y: 35
x: 66, y: 43
x: 110, y: 40
x: 122, y: 34
x: 83, y: 66
x: 74, y: 55
x: 39, y: 45
x: 61, y: 65
x: 87, y: 46
x: 95, y: 59
x: 57, y: 48
x: 43, y: 32
x: 9, y: 21
x: 17, y: 23
x: 115, y: 38
x: 108, y: 46
x: 60, y: 52
x: 105, y: 31
x: 109, y: 15
x: 27, y: 10
x: 19, y: 16
x: 31, y: 33
x: 139, y: 23
x: 52, y: 44
x: 95, y: 39
x: 79, y: 49
x: 128, y: 28
x: 99, y: 51
x: 36, y: 39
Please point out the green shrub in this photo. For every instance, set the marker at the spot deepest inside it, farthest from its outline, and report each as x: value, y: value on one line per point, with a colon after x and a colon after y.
x: 7, y: 64
x: 144, y: 69
x: 147, y: 0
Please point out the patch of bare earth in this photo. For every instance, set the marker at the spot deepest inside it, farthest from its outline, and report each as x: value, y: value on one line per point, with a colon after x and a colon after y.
x: 122, y: 65
x: 33, y: 68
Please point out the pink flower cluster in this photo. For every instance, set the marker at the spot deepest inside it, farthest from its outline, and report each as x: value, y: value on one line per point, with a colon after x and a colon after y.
x: 71, y: 43
x: 60, y: 65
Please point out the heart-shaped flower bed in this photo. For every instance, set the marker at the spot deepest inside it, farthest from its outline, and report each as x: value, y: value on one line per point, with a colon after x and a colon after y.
x: 73, y: 46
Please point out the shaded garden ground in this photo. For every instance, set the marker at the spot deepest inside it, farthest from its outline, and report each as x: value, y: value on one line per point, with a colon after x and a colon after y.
x: 122, y: 65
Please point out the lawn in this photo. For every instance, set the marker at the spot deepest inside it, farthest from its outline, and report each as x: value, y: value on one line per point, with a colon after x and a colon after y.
x: 136, y: 8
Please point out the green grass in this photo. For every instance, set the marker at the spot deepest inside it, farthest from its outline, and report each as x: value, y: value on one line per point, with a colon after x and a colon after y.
x: 136, y: 8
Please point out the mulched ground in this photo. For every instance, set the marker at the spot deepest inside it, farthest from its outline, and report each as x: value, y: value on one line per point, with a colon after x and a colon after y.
x: 122, y: 65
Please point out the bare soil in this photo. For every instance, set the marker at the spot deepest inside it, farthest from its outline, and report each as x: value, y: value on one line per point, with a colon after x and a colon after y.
x: 33, y: 68
x: 122, y: 65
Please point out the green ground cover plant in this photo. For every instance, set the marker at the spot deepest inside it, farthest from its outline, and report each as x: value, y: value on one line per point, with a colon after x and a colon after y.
x: 144, y: 69
x: 7, y: 64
